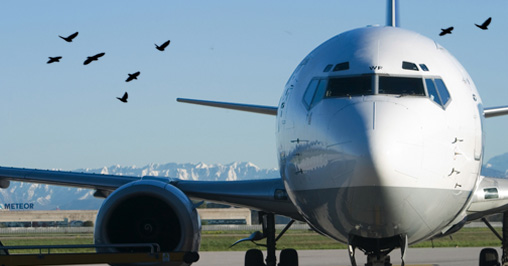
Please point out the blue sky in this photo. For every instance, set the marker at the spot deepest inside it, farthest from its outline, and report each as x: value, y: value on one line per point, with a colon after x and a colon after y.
x: 65, y: 115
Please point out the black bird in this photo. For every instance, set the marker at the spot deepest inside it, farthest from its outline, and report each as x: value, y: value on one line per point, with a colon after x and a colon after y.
x: 70, y: 37
x: 446, y: 31
x: 485, y: 24
x: 124, y: 97
x: 89, y: 59
x: 54, y: 59
x: 132, y: 76
x: 163, y: 46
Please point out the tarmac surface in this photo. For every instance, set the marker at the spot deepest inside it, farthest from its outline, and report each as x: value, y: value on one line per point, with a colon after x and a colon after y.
x: 414, y: 256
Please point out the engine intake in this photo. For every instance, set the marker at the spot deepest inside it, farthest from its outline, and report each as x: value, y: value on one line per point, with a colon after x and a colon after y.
x: 149, y: 211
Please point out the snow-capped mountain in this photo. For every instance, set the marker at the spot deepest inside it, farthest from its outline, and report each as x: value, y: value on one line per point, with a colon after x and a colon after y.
x: 49, y: 197
x: 188, y: 171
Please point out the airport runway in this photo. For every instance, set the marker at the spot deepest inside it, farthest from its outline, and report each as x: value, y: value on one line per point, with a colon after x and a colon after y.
x: 414, y: 256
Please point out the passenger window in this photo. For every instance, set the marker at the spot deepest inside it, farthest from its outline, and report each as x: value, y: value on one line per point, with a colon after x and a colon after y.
x: 431, y: 88
x: 443, y: 91
x: 309, y: 93
x: 401, y: 86
x: 349, y: 86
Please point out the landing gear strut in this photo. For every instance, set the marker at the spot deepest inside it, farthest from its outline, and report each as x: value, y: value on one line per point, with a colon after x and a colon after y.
x: 269, y: 231
x: 254, y: 257
x: 378, y: 256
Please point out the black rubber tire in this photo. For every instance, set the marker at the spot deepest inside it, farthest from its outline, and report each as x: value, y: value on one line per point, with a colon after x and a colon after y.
x: 489, y: 257
x: 254, y: 257
x: 288, y: 257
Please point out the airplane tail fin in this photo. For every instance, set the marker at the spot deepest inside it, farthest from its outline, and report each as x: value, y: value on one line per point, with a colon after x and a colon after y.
x: 392, y: 15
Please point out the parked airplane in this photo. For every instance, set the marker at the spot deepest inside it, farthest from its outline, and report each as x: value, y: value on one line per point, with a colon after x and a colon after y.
x: 380, y: 145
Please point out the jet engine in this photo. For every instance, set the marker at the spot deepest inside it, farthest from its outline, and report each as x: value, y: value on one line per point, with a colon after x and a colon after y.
x: 148, y: 211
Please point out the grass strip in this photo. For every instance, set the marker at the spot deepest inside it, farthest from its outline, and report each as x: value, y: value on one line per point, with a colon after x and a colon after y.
x: 221, y: 240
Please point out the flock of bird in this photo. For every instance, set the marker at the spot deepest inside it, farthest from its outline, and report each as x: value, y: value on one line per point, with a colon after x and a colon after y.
x: 90, y: 59
x: 484, y: 26
x: 96, y: 57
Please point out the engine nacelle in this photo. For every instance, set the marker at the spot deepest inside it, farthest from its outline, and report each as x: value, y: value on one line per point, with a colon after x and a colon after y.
x: 149, y: 211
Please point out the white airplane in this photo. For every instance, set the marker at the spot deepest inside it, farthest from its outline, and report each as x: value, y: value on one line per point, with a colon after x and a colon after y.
x: 380, y: 145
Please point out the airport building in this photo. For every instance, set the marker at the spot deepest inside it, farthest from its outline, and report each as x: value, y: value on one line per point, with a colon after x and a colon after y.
x: 31, y: 218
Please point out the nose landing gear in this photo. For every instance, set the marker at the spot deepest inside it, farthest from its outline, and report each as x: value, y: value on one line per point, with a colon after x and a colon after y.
x: 377, y: 254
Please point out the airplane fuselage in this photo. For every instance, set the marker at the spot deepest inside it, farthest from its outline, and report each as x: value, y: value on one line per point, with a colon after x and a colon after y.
x: 379, y: 135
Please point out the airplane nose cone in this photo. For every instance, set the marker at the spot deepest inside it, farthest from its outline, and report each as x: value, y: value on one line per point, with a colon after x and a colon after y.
x: 384, y: 141
x: 385, y: 138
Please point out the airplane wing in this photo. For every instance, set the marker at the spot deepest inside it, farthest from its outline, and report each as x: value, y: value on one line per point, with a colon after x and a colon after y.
x: 490, y: 197
x: 495, y: 111
x: 63, y: 178
x: 260, y: 109
x: 266, y: 194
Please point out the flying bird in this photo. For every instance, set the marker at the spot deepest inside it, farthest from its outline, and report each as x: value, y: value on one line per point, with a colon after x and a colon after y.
x: 485, y: 24
x: 124, y: 97
x: 446, y: 31
x: 132, y: 76
x: 70, y: 37
x: 89, y: 59
x: 54, y: 59
x: 163, y: 46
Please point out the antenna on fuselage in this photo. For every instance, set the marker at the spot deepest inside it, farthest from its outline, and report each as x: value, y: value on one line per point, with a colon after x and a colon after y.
x: 392, y: 13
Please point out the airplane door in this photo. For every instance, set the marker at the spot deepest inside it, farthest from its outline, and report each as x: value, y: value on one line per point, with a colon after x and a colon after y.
x: 478, y: 147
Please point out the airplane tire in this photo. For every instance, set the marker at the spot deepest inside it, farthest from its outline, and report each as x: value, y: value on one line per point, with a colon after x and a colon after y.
x: 288, y: 257
x: 254, y: 257
x: 489, y: 257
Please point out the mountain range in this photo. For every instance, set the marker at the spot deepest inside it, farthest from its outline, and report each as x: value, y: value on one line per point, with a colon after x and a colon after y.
x: 50, y: 197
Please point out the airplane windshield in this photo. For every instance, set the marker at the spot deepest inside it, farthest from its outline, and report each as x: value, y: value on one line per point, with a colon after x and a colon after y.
x: 349, y: 86
x: 362, y: 85
x: 401, y: 86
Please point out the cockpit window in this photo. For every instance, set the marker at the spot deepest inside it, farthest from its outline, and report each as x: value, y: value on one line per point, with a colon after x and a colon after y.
x: 320, y: 92
x: 315, y: 92
x: 443, y: 91
x: 409, y: 66
x: 437, y: 91
x: 349, y: 86
x: 431, y: 89
x: 341, y: 66
x: 309, y: 93
x: 401, y: 86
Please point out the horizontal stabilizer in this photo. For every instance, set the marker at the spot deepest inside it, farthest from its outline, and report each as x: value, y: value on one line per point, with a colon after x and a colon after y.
x: 495, y: 111
x: 261, y: 109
